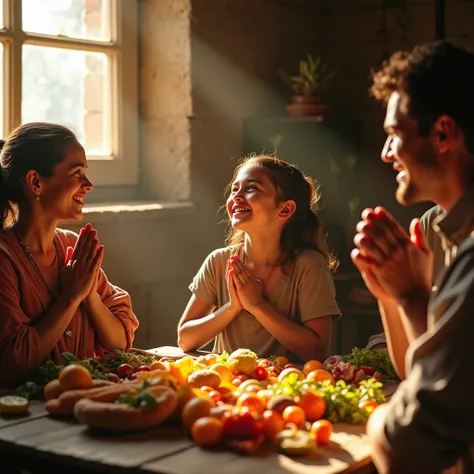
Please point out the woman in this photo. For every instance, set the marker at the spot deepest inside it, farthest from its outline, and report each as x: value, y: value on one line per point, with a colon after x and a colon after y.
x: 54, y: 297
x: 271, y: 289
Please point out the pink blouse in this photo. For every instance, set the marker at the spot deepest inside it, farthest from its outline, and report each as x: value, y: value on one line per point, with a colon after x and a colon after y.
x: 24, y: 299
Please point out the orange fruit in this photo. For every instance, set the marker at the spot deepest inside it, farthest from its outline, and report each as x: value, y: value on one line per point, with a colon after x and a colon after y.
x: 219, y: 411
x: 52, y: 390
x: 207, y: 431
x: 224, y: 371
x: 312, y: 404
x: 294, y: 414
x: 312, y: 365
x: 196, y: 408
x: 74, y: 376
x: 321, y: 430
x: 320, y: 375
x: 273, y: 423
x: 185, y: 393
x: 281, y: 361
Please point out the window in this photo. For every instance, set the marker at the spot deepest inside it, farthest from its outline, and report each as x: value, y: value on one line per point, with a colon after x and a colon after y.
x: 74, y: 62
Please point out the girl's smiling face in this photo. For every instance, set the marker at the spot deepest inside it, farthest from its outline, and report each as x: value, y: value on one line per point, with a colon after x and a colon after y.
x: 252, y: 202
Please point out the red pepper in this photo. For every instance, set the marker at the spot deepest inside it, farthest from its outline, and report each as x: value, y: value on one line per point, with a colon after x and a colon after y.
x: 368, y: 370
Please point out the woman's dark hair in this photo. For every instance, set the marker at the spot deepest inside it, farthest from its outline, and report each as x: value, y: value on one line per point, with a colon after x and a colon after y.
x: 35, y: 146
x: 304, y: 228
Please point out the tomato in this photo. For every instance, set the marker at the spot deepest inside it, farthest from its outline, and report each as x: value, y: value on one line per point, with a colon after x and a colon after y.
x: 242, y: 426
x: 312, y: 365
x: 281, y: 361
x: 236, y: 382
x: 252, y: 401
x: 215, y: 395
x: 321, y: 431
x: 273, y: 423
x: 263, y: 363
x: 368, y: 405
x: 207, y: 431
x: 312, y: 404
x: 261, y: 373
x: 125, y: 370
x: 143, y: 368
x: 368, y: 370
x: 294, y: 414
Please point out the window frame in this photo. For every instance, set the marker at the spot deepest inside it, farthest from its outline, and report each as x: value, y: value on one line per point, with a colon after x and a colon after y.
x: 121, y: 168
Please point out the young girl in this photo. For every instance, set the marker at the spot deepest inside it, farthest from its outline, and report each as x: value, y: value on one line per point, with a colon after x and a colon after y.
x: 270, y: 290
x: 54, y: 297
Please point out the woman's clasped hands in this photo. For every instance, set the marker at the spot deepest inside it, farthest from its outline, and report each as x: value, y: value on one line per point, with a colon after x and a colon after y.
x: 245, y: 291
x: 82, y: 266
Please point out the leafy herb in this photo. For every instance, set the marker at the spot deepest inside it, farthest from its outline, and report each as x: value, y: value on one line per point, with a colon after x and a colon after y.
x: 378, y: 359
x: 342, y: 400
x: 141, y: 400
x: 223, y: 357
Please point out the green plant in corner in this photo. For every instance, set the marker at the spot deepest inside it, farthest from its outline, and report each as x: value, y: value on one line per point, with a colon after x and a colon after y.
x: 311, y: 79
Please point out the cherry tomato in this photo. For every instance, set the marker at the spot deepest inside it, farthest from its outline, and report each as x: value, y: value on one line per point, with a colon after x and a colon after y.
x: 322, y: 430
x: 368, y: 370
x: 143, y: 368
x: 261, y: 373
x: 242, y: 426
x: 216, y: 396
x: 125, y: 370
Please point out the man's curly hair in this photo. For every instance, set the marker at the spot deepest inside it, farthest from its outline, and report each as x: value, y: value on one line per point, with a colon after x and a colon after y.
x: 433, y: 79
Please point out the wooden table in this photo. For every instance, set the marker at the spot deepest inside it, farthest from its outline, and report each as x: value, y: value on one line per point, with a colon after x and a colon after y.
x: 40, y: 443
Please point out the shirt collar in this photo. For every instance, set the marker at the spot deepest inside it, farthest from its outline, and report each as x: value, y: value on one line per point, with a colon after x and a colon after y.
x: 456, y: 225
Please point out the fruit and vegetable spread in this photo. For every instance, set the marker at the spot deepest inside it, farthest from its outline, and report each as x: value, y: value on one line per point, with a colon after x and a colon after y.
x: 235, y: 399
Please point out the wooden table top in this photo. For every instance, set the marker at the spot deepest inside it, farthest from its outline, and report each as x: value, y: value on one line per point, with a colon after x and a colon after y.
x: 168, y: 449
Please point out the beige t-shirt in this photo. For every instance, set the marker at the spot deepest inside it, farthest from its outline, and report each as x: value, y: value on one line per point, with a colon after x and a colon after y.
x: 306, y: 291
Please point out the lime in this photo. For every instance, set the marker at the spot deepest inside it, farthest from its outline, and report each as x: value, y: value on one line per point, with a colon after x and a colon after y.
x: 13, y: 404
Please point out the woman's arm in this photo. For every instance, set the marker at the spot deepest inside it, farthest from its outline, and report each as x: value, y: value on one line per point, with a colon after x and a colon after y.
x: 110, y: 330
x: 200, y: 323
x: 311, y: 341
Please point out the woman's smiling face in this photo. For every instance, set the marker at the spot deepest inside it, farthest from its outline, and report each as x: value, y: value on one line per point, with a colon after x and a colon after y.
x: 62, y: 195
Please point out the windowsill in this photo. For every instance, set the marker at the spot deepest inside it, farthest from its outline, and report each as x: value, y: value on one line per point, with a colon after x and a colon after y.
x: 101, y: 213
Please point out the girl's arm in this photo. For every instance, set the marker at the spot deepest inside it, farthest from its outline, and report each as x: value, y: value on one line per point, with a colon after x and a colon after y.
x: 310, y: 341
x: 200, y: 323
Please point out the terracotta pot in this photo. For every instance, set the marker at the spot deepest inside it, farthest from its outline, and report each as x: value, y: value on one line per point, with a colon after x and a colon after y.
x: 307, y: 110
x: 306, y: 99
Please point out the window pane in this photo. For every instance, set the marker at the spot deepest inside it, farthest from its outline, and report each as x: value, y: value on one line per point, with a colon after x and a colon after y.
x: 73, y: 18
x: 68, y: 87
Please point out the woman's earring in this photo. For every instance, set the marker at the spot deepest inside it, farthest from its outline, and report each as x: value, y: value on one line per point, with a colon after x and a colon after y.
x: 38, y: 196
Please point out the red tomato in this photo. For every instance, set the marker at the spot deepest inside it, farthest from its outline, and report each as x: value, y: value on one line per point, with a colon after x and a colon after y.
x: 143, y: 368
x: 322, y: 430
x: 368, y: 370
x: 125, y: 370
x: 261, y: 373
x: 242, y: 426
x: 215, y: 395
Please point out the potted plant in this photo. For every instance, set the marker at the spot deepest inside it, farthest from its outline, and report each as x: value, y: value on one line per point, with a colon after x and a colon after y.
x: 307, y: 86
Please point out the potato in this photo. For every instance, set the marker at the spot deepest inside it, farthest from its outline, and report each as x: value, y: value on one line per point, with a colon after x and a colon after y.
x: 203, y: 377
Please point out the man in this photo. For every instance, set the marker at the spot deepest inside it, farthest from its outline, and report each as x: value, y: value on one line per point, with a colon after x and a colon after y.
x: 427, y: 425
